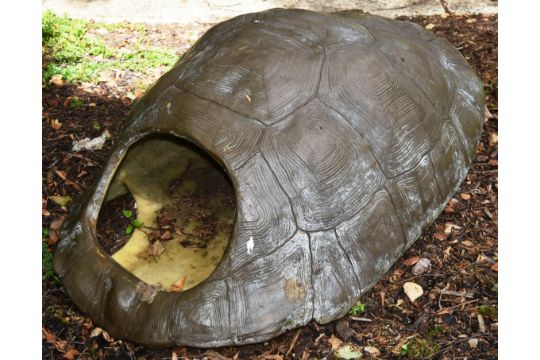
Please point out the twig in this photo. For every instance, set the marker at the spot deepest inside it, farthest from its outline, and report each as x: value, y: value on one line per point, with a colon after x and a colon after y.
x: 455, y: 306
x: 454, y: 293
x: 293, y: 342
x: 444, y: 4
x: 354, y: 318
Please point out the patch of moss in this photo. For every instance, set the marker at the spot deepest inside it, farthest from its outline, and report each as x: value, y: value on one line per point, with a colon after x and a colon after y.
x: 419, y: 348
x: 436, y: 331
x: 488, y: 311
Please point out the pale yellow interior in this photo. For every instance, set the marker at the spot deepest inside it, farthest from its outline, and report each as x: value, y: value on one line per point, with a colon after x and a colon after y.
x: 148, y: 170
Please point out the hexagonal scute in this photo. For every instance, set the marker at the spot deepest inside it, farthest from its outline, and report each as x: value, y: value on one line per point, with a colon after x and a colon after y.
x: 270, y: 178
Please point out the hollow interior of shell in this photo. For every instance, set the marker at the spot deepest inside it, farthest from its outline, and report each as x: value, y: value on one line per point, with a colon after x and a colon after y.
x: 183, y: 213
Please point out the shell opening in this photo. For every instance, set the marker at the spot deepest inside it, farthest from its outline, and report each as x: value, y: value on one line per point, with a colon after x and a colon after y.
x: 168, y: 214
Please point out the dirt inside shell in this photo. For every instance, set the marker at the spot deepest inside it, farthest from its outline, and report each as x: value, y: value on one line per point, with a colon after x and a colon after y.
x: 168, y: 214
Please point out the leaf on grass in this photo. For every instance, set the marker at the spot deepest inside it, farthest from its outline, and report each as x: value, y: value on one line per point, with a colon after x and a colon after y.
x: 413, y: 290
x: 56, y: 80
x: 179, y: 285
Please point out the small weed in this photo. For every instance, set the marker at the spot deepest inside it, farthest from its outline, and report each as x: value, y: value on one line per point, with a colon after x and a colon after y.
x: 357, y: 309
x: 489, y: 311
x: 404, y: 350
x: 135, y: 224
x: 437, y: 331
x: 47, y: 270
x: 45, y: 232
x: 69, y: 50
x: 419, y: 348
x: 76, y: 103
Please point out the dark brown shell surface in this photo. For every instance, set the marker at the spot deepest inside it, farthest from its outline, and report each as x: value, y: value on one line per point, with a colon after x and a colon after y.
x: 343, y: 135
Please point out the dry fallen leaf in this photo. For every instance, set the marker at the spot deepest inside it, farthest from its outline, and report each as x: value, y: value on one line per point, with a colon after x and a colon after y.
x: 412, y: 290
x: 473, y: 343
x: 467, y: 243
x: 430, y: 26
x: 96, y: 332
x: 54, y: 232
x: 335, y: 342
x: 348, y: 352
x: 174, y: 356
x: 372, y: 351
x: 412, y: 260
x: 440, y: 236
x: 61, y: 200
x: 55, y: 124
x: 448, y: 227
x: 495, y: 267
x: 493, y: 138
x: 48, y: 336
x: 179, y: 285
x: 155, y: 249
x: 465, y: 196
x: 71, y: 354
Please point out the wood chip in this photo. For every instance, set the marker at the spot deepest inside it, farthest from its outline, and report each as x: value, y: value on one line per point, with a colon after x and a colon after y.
x: 413, y: 290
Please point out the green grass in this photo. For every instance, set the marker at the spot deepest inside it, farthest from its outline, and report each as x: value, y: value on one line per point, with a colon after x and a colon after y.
x: 71, y: 51
x: 419, y: 348
x: 489, y: 311
x: 47, y: 270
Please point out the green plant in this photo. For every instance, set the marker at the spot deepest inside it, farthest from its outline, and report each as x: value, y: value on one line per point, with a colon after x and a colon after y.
x: 71, y: 51
x: 488, y: 310
x: 76, y: 103
x: 436, y: 331
x: 357, y: 309
x: 404, y: 351
x: 418, y: 348
x: 47, y: 270
x: 135, y: 223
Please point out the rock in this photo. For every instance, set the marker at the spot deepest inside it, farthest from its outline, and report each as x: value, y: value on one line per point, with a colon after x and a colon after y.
x: 343, y: 330
x: 421, y: 266
x: 412, y: 290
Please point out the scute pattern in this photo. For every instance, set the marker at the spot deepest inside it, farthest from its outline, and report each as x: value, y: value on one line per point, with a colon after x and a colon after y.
x: 343, y: 134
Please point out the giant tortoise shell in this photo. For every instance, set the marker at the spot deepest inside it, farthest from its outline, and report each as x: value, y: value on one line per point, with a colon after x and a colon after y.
x: 344, y: 135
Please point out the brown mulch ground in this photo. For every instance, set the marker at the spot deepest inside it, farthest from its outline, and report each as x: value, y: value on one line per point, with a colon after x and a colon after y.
x: 456, y: 318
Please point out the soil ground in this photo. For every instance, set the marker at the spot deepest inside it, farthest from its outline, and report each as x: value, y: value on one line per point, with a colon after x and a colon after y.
x: 456, y: 318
